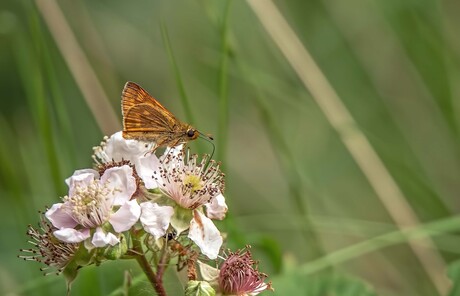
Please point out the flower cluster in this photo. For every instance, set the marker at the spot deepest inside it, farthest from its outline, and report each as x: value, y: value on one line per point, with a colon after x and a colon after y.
x: 135, y: 203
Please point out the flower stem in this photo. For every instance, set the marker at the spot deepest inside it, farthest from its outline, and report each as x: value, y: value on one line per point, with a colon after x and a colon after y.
x: 162, y: 264
x: 155, y: 280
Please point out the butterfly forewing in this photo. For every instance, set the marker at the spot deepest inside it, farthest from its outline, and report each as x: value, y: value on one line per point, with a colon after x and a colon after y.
x: 133, y: 94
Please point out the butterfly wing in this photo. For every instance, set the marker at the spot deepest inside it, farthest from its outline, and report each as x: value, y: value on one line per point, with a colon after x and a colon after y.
x: 133, y: 94
x: 147, y: 118
x: 144, y: 118
x: 146, y: 123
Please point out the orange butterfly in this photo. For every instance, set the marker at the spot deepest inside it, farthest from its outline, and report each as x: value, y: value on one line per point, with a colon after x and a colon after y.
x: 145, y: 119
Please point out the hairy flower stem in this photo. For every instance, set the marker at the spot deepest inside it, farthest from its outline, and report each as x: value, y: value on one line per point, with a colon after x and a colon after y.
x: 162, y: 264
x: 155, y: 280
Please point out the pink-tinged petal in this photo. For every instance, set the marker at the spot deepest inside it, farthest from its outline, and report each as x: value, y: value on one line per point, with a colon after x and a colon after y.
x: 217, y: 208
x: 101, y: 239
x: 118, y: 148
x: 146, y: 167
x: 59, y: 217
x: 126, y: 216
x: 155, y: 219
x: 81, y: 178
x: 121, y: 179
x: 70, y: 235
x: 205, y: 235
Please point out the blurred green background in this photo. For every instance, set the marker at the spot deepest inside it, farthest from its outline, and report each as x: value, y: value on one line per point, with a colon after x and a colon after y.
x: 322, y: 209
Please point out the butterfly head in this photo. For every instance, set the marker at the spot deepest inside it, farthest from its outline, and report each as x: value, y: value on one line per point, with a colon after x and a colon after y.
x: 192, y: 134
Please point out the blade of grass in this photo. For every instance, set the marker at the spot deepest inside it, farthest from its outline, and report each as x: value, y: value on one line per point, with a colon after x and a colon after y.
x: 56, y: 95
x: 296, y: 182
x: 223, y: 87
x: 294, y: 179
x: 180, y: 84
x: 79, y: 66
x: 420, y: 232
x: 427, y: 137
x: 28, y: 59
x: 353, y: 138
x: 10, y: 172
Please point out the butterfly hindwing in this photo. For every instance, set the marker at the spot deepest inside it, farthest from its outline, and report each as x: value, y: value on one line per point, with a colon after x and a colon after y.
x: 146, y: 118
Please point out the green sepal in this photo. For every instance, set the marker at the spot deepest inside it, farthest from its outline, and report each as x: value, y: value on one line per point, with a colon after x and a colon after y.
x: 181, y: 219
x: 199, y: 288
x: 70, y: 272
x: 155, y: 191
x: 115, y: 252
x: 82, y: 258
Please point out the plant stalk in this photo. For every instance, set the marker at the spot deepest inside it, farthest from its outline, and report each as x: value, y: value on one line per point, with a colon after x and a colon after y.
x: 155, y: 280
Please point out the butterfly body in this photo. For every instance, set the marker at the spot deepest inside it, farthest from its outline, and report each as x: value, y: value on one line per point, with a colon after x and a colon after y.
x: 145, y: 119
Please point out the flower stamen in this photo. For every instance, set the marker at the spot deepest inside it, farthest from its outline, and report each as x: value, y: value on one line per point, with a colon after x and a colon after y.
x: 188, y: 182
x: 47, y: 249
x: 90, y: 205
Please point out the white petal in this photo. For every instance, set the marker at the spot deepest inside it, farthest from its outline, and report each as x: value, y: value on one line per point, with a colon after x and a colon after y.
x: 81, y: 178
x: 217, y: 208
x: 205, y: 235
x: 145, y: 167
x: 126, y: 216
x: 262, y: 287
x: 208, y: 273
x: 70, y: 235
x: 121, y: 179
x: 101, y: 239
x: 60, y: 218
x: 118, y: 148
x: 174, y: 151
x: 155, y: 219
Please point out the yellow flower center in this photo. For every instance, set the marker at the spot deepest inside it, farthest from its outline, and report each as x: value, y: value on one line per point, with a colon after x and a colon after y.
x: 193, y: 182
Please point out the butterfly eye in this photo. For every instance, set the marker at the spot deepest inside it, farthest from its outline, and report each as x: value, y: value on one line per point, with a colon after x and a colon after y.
x: 190, y: 133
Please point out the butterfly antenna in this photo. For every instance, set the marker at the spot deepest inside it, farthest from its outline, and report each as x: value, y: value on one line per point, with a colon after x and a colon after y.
x: 208, y: 138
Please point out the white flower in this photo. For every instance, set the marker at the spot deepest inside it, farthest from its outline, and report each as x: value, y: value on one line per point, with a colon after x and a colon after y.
x: 92, y: 203
x: 117, y: 149
x: 191, y: 185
